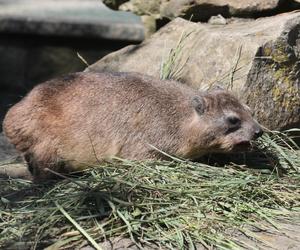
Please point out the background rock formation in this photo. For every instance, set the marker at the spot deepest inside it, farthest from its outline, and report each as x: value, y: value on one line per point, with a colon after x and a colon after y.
x: 163, y: 11
x: 39, y: 40
x: 259, y: 60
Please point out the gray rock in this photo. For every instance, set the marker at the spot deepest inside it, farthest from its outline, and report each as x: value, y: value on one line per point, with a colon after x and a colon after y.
x: 7, y: 150
x: 202, y: 10
x: 258, y: 60
x: 89, y: 18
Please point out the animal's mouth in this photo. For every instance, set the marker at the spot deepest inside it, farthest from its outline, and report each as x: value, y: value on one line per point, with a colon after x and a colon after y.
x: 242, y: 146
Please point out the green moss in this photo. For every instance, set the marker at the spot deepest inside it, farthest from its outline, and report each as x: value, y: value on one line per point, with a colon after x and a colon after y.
x: 267, y: 50
x: 279, y: 52
x: 276, y: 93
x: 284, y: 90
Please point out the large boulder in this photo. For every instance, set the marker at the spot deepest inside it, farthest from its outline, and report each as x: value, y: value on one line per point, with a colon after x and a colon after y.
x: 156, y: 14
x: 201, y: 10
x: 258, y: 60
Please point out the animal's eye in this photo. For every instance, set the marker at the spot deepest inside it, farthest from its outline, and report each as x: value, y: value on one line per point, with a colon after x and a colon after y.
x: 233, y: 121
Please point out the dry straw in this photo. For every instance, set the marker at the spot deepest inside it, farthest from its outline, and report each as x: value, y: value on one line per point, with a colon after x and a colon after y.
x: 169, y: 204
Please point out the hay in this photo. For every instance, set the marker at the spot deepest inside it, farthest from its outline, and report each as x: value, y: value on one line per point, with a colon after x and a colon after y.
x: 172, y: 204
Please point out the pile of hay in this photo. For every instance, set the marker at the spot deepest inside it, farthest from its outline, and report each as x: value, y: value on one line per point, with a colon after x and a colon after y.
x: 169, y: 204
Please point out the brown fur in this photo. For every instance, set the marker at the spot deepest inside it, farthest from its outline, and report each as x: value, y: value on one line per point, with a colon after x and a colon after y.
x: 86, y: 117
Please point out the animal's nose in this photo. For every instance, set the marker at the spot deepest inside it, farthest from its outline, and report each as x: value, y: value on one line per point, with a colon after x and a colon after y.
x: 258, y: 133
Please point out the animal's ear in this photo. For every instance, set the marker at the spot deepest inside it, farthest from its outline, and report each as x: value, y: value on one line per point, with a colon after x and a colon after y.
x: 199, y: 104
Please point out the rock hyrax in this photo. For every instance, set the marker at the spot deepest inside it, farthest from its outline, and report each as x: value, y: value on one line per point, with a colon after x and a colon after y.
x: 67, y: 123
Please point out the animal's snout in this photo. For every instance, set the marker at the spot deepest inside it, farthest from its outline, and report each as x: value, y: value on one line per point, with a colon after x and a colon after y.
x: 258, y: 133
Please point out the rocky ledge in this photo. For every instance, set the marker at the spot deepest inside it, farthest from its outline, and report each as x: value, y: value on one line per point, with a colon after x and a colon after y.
x: 88, y: 18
